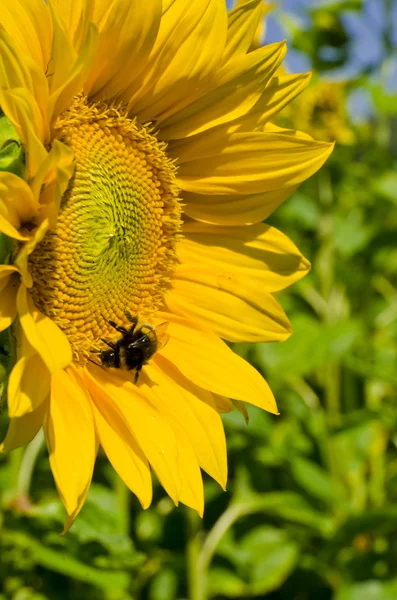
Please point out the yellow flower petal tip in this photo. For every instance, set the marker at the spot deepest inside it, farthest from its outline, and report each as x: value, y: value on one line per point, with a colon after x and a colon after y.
x: 138, y: 242
x: 67, y: 525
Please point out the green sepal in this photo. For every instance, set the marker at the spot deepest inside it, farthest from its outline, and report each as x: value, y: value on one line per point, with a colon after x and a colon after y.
x: 6, y: 248
x: 12, y: 153
x: 7, y: 341
x: 7, y: 355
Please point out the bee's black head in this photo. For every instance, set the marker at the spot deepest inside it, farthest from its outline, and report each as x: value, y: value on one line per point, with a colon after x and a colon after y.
x: 110, y: 358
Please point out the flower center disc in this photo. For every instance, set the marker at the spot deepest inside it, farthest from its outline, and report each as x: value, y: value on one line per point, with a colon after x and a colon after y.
x: 113, y: 248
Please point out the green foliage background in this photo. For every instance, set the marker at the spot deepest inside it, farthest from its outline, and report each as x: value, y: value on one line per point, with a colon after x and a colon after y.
x: 310, y: 512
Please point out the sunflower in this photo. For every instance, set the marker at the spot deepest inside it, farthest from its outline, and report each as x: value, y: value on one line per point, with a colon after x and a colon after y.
x: 321, y: 112
x: 141, y: 164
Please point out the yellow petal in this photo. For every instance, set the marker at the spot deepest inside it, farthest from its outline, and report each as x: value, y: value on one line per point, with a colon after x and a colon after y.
x: 22, y: 431
x: 17, y: 205
x: 52, y: 180
x: 215, y: 162
x: 70, y: 70
x: 259, y: 254
x: 75, y: 17
x: 69, y: 13
x: 242, y: 409
x: 126, y: 457
x: 192, y: 491
x: 234, y: 209
x: 9, y: 284
x: 29, y: 25
x: 21, y: 259
x: 278, y: 93
x: 15, y: 191
x: 118, y: 399
x: 42, y: 333
x: 70, y: 435
x: 63, y: 55
x: 28, y: 386
x: 228, y: 302
x: 223, y: 405
x: 209, y: 363
x: 128, y: 30
x: 237, y: 88
x: 9, y: 222
x: 21, y: 108
x: 5, y: 272
x: 194, y: 410
x: 20, y: 71
x: 243, y: 22
x: 182, y: 58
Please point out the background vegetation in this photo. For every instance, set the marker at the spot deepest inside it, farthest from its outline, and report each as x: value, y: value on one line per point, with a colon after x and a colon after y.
x: 311, y: 507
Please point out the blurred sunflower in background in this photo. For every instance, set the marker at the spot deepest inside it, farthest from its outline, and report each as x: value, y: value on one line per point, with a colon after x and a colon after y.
x: 138, y: 162
x: 321, y: 112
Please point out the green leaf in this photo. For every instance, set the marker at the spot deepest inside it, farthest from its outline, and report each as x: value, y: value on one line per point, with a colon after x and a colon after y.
x: 63, y: 563
x: 337, y: 6
x: 351, y: 234
x: 67, y: 565
x: 270, y: 557
x: 12, y: 154
x: 164, y: 585
x: 369, y: 590
x: 312, y: 345
x: 99, y: 521
x: 381, y: 521
x: 288, y: 506
x: 386, y: 186
x: 301, y: 209
x: 149, y: 526
x: 314, y: 480
x: 385, y: 103
x: 222, y: 582
x: 351, y: 450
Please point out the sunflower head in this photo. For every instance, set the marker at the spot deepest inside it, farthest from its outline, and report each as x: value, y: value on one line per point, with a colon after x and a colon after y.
x: 113, y: 248
x: 138, y: 161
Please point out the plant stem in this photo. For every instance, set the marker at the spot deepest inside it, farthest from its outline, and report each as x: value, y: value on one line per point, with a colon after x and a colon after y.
x: 332, y: 393
x: 14, y: 465
x: 196, y: 578
x: 27, y: 464
x: 123, y: 502
x: 213, y: 538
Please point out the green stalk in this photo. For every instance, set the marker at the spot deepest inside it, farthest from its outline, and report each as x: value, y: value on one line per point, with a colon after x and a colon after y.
x: 123, y: 502
x: 200, y: 554
x: 27, y: 464
x: 196, y: 577
x: 330, y: 294
x: 14, y: 465
x: 332, y: 393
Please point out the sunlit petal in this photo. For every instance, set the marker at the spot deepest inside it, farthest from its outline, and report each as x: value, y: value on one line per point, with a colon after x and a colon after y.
x: 69, y: 414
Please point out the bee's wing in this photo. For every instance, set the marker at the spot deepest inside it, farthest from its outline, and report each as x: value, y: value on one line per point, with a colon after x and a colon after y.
x: 162, y: 335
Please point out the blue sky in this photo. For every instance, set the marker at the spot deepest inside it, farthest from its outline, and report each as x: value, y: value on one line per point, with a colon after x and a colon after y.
x: 365, y: 28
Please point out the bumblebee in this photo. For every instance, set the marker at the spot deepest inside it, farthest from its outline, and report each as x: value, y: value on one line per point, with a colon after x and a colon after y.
x: 136, y: 346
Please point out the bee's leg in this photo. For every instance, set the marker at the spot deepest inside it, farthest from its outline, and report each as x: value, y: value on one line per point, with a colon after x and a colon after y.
x: 95, y: 363
x: 118, y: 328
x: 133, y: 320
x: 137, y: 373
x: 110, y: 344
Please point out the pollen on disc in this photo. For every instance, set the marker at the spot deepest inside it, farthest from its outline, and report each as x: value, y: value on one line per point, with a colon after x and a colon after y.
x: 113, y: 248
